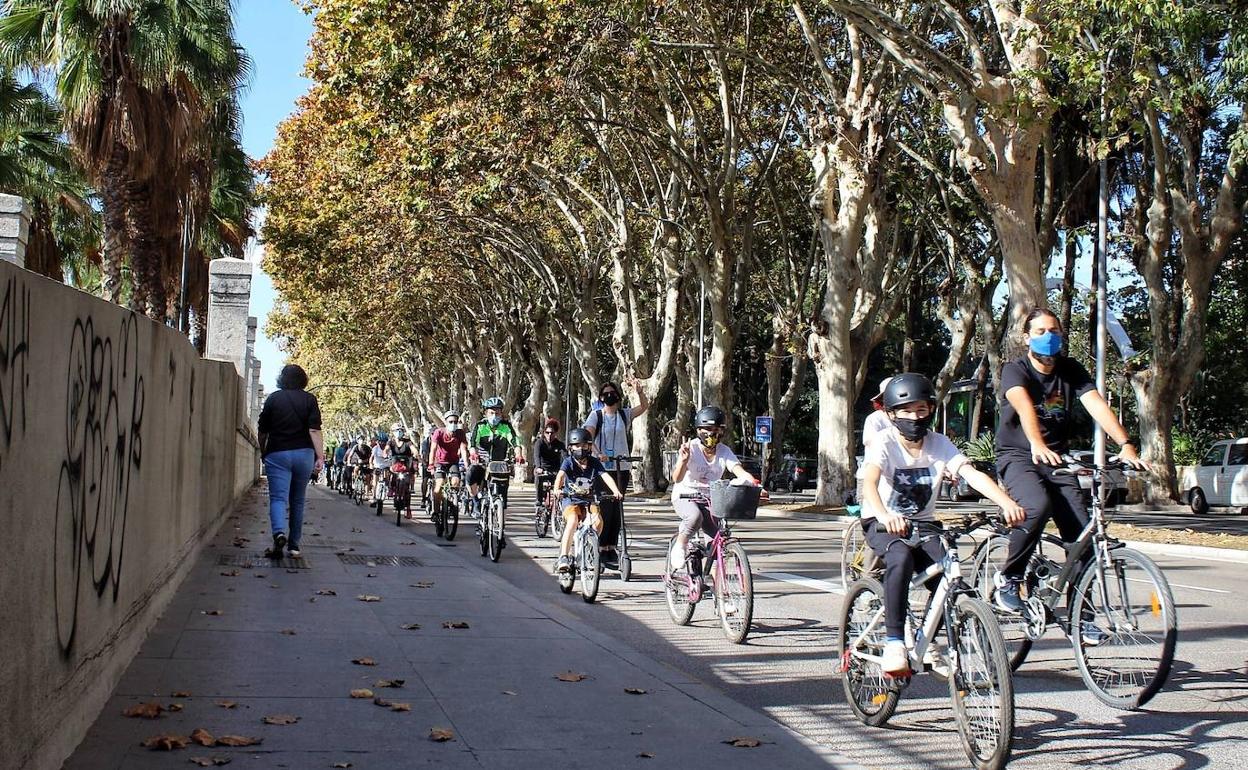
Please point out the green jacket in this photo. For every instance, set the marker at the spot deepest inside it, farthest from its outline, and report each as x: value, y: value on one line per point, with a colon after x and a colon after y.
x: 494, y: 443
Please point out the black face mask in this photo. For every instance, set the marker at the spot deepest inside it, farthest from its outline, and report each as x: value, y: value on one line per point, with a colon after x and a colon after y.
x: 913, y: 430
x: 611, y: 399
x: 582, y: 452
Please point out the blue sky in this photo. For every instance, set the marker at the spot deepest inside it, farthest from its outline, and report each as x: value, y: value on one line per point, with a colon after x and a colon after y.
x: 276, y: 34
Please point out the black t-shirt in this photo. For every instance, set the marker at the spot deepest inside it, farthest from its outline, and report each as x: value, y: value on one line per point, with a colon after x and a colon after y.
x: 404, y: 449
x: 1054, y: 396
x: 549, y: 454
x: 286, y: 418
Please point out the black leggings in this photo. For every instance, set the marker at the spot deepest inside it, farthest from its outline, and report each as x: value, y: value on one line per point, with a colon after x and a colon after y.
x: 901, y: 562
x: 1042, y: 495
x: 612, y: 510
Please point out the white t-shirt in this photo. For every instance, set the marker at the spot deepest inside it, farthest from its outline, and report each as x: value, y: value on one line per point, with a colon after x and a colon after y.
x: 876, y: 423
x: 908, y: 484
x: 611, y: 437
x: 700, y: 472
x: 379, y: 458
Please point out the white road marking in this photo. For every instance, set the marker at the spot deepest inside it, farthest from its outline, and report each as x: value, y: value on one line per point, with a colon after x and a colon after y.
x: 828, y: 586
x: 1181, y: 585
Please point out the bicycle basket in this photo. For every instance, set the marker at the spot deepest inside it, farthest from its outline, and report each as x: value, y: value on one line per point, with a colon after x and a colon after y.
x: 729, y: 501
x: 499, y: 468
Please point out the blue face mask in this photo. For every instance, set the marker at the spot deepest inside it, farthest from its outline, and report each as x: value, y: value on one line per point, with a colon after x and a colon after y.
x: 1047, y: 344
x: 494, y: 420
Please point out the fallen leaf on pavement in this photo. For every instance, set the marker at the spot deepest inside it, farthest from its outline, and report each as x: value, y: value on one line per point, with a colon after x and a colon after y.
x: 166, y: 742
x: 227, y: 704
x: 280, y: 719
x: 179, y: 694
x: 327, y: 592
x: 363, y: 692
x: 288, y: 632
x: 389, y: 683
x: 371, y: 574
x: 510, y: 692
x: 231, y: 573
x: 400, y: 707
x: 570, y: 676
x: 260, y: 575
x: 241, y: 542
x: 203, y: 737
x: 364, y: 661
x: 313, y: 599
x: 292, y: 572
x: 380, y: 701
x: 408, y: 542
x: 441, y: 735
x: 454, y: 624
x: 144, y: 710
x: 744, y: 743
x: 175, y: 706
x: 238, y: 740
x: 410, y: 626
x: 356, y: 529
x: 274, y: 585
x: 211, y: 612
x: 211, y: 761
x: 422, y: 584
x: 368, y: 598
x: 341, y: 764
x: 634, y: 691
x: 645, y: 755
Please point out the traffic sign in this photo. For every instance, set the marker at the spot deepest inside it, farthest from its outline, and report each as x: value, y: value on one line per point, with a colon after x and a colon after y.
x: 762, y: 429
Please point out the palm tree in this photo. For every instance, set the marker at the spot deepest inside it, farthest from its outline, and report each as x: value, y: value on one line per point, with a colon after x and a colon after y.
x: 139, y: 80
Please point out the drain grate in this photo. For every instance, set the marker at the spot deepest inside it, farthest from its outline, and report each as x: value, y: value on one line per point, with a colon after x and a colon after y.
x: 250, y: 561
x: 377, y: 560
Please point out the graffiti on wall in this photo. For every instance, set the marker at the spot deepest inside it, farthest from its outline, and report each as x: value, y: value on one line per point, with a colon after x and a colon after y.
x: 102, y: 457
x: 14, y: 363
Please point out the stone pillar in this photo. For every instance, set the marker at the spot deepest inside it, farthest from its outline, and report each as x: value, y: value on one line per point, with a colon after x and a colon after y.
x: 14, y: 229
x: 252, y: 364
x: 257, y: 393
x: 229, y: 300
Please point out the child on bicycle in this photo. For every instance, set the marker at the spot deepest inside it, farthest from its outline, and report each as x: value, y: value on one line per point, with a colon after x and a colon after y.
x: 576, y: 477
x: 700, y: 461
x: 903, y: 469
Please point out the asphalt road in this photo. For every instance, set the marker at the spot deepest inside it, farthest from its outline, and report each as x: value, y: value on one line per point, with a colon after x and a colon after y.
x: 786, y: 669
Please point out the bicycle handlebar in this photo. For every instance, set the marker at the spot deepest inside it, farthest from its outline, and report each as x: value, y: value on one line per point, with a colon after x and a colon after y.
x: 1076, y: 467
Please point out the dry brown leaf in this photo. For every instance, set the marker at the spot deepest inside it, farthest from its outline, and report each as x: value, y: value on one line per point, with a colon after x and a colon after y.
x: 368, y: 598
x: 203, y: 737
x: 400, y: 707
x: 441, y: 734
x: 175, y: 706
x: 410, y: 626
x: 274, y: 585
x: 389, y: 683
x: 259, y: 575
x: 144, y: 710
x: 645, y: 755
x: 179, y: 694
x: 211, y: 761
x: 288, y: 632
x: 238, y: 740
x: 744, y: 742
x: 371, y: 574
x: 231, y: 573
x: 422, y: 584
x: 364, y: 662
x: 380, y: 701
x: 363, y: 692
x: 570, y: 676
x: 454, y: 624
x: 280, y: 719
x: 292, y: 572
x: 166, y: 742
x: 227, y: 704
x: 327, y: 592
x: 341, y: 764
x: 510, y: 692
x: 210, y: 612
x: 634, y: 691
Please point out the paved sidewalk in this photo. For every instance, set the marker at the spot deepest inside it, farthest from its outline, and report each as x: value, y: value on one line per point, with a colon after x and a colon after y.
x: 281, y: 641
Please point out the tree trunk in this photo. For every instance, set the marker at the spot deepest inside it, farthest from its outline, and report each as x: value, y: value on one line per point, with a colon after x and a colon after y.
x: 1154, y: 394
x: 1068, y: 279
x: 1013, y: 217
x: 833, y: 358
x: 113, y: 199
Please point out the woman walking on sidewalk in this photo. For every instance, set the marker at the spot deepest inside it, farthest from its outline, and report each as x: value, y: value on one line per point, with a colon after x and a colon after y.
x: 292, y: 448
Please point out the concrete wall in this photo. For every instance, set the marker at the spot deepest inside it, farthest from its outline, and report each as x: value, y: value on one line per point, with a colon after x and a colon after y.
x: 121, y: 451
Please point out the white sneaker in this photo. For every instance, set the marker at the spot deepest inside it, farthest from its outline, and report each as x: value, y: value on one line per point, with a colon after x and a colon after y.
x: 895, y: 661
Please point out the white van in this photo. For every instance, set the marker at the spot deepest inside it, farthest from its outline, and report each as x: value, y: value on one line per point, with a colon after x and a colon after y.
x: 1221, y: 478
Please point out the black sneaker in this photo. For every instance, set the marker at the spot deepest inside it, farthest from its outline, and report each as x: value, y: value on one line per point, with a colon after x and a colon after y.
x: 279, y: 544
x: 1007, y: 598
x: 610, y: 559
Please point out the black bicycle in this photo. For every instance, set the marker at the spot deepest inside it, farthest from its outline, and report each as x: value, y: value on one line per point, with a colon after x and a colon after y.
x: 1121, y: 619
x: 446, y: 512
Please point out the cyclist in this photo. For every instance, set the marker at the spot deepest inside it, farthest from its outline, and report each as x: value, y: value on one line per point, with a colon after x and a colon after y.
x: 356, y: 461
x: 1033, y: 433
x: 876, y: 423
x: 447, y: 446
x: 609, y: 425
x: 577, y: 477
x: 380, y: 463
x: 700, y: 461
x: 493, y: 437
x: 425, y: 476
x: 904, y: 465
x: 548, y: 454
x: 400, y: 449
x: 340, y: 457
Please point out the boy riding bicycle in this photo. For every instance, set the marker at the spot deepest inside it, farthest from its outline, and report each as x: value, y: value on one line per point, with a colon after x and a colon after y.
x: 903, y: 468
x: 576, y: 477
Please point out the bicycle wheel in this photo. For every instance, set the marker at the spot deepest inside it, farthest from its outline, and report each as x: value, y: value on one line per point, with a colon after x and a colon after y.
x: 439, y: 518
x: 986, y: 562
x: 870, y: 696
x: 676, y: 586
x: 483, y: 529
x: 1140, y: 627
x: 591, y: 575
x: 450, y: 519
x: 496, y: 530
x: 556, y: 519
x: 626, y: 561
x: 980, y: 684
x: 734, y: 593
x: 857, y: 558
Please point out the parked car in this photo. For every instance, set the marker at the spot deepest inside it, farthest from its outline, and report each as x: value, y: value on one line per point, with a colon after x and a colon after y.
x: 1114, y: 480
x: 1220, y: 479
x: 792, y: 474
x: 752, y: 464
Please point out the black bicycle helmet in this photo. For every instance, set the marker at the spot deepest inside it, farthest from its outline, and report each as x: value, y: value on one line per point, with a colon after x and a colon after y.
x: 908, y: 388
x: 579, y: 436
x: 709, y: 417
x: 494, y: 402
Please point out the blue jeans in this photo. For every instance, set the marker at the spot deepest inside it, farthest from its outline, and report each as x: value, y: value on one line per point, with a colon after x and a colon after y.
x: 288, y: 472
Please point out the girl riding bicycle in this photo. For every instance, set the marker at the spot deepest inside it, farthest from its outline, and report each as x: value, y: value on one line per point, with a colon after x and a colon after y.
x: 577, y: 476
x: 903, y: 468
x: 699, y: 462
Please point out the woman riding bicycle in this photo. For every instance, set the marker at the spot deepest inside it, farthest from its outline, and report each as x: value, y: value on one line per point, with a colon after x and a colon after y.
x: 548, y: 455
x: 700, y: 461
x: 1033, y: 433
x: 576, y: 478
x: 903, y: 468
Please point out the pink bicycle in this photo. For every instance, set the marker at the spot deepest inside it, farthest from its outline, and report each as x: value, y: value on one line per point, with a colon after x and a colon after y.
x: 721, y: 561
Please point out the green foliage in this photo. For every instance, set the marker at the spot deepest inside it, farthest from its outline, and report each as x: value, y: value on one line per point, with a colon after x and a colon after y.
x: 1190, y: 446
x: 982, y: 448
